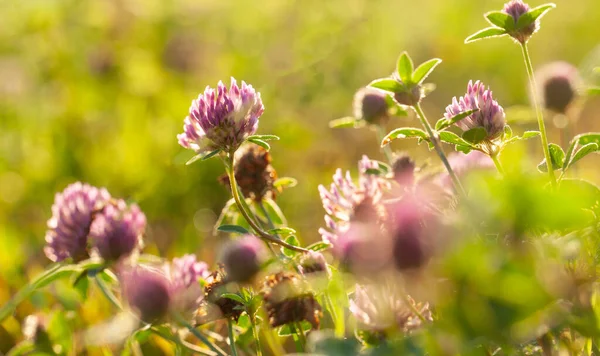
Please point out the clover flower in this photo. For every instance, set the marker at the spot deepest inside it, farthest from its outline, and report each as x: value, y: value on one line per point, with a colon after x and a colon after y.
x: 288, y: 300
x: 72, y: 214
x: 412, y: 227
x: 371, y: 105
x: 403, y: 168
x: 516, y: 9
x: 313, y: 262
x: 490, y: 114
x: 379, y: 308
x: 253, y: 172
x: 243, y: 258
x: 117, y: 230
x: 557, y: 84
x: 222, y: 118
x: 214, y: 306
x: 346, y: 202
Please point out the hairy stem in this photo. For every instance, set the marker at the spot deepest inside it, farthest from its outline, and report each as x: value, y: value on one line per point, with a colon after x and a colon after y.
x: 255, y: 334
x: 386, y: 149
x: 436, y: 145
x: 497, y: 163
x: 250, y: 219
x: 231, y: 337
x: 538, y: 111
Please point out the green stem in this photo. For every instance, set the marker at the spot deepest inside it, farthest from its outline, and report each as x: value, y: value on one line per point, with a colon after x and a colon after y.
x: 436, y: 145
x: 538, y: 111
x: 386, y: 149
x: 199, y: 335
x: 231, y: 337
x: 296, y: 337
x: 108, y: 294
x: 497, y: 163
x: 255, y: 335
x: 246, y: 215
x: 262, y: 208
x: 301, y: 334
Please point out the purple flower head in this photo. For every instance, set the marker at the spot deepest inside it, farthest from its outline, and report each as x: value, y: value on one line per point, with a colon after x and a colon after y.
x: 345, y: 201
x: 222, y: 118
x: 184, y: 273
x: 364, y: 249
x: 147, y: 291
x: 490, y: 114
x: 72, y: 214
x: 557, y: 85
x: 403, y: 168
x: 412, y: 227
x: 243, y: 258
x: 379, y: 307
x: 464, y: 163
x: 516, y: 9
x: 371, y: 105
x: 117, y: 231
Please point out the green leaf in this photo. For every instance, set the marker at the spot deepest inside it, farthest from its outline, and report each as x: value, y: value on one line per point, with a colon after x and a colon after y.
x: 285, y: 182
x: 264, y: 137
x: 404, y: 68
x: 533, y: 15
x: 261, y: 143
x: 319, y: 246
x: 233, y: 229
x: 486, y: 33
x: 404, y: 132
x: 387, y: 84
x: 284, y: 231
x: 584, y: 151
x: 274, y: 212
x: 557, y: 156
x: 348, y: 121
x: 287, y: 331
x: 292, y: 240
x: 580, y: 140
x: 530, y: 134
x: 500, y: 19
x: 234, y: 297
x: 475, y: 135
x: 508, y: 133
x: 463, y: 149
x: 202, y: 156
x: 424, y: 70
x: 452, y: 138
x: 444, y: 123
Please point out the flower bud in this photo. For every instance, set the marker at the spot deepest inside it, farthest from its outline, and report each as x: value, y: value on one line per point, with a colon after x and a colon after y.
x: 557, y: 83
x: 243, y: 258
x: 371, y: 105
x: 147, y: 291
x: 410, y: 97
x: 516, y: 9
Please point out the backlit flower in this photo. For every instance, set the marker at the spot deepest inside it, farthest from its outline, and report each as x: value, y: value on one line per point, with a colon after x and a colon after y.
x: 516, y: 9
x: 243, y: 258
x: 222, y: 118
x: 371, y: 105
x: 557, y: 85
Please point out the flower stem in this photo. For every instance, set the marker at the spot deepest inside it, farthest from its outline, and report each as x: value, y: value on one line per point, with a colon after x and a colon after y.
x: 231, y: 337
x: 296, y: 337
x: 538, y: 111
x: 386, y: 149
x: 497, y: 163
x: 436, y: 145
x: 246, y: 215
x: 198, y: 335
x: 255, y: 334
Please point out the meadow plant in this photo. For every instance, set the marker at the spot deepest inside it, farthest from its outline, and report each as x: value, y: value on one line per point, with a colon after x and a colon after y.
x: 463, y: 257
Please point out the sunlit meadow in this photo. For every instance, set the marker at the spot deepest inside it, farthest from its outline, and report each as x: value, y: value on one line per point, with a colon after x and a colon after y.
x: 299, y: 177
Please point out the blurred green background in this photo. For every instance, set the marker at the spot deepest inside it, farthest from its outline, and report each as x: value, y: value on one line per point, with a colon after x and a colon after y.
x: 97, y: 91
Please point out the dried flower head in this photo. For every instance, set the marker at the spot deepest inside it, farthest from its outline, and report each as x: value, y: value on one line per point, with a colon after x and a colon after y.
x: 490, y: 114
x: 403, y: 168
x: 288, y: 300
x: 117, y: 231
x: 72, y: 214
x: 380, y: 307
x: 253, y: 172
x: 557, y: 85
x: 214, y: 306
x: 147, y: 291
x: 371, y: 105
x: 313, y: 262
x: 243, y: 258
x: 516, y: 9
x: 222, y: 118
x: 346, y: 202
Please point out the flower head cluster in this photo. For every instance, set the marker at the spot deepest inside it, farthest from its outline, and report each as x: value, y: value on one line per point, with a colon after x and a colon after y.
x: 72, y: 214
x: 346, y: 202
x: 117, y: 231
x: 253, y: 172
x: 516, y: 9
x: 557, y: 85
x: 489, y: 114
x: 380, y: 308
x: 222, y: 118
x: 371, y: 105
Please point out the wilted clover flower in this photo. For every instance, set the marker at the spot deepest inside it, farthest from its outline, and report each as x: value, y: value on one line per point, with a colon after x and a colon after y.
x: 347, y: 202
x: 214, y: 306
x: 243, y: 258
x: 288, y: 300
x: 253, y: 172
x: 516, y: 9
x: 313, y: 262
x: 371, y: 105
x: 380, y: 308
x: 72, y: 214
x: 222, y: 118
x: 490, y: 114
x: 557, y: 84
x: 116, y: 232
